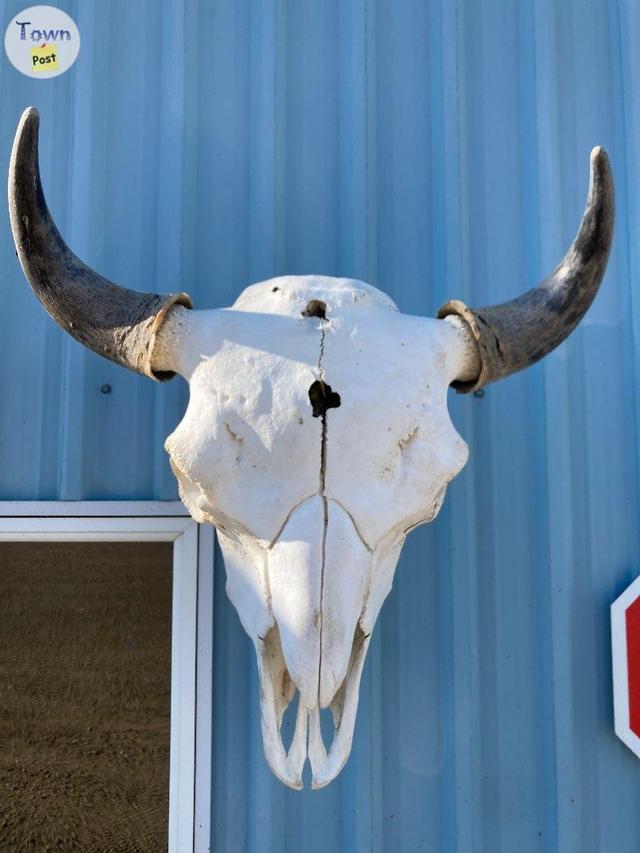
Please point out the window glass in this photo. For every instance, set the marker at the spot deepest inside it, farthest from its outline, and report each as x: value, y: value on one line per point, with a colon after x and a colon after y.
x: 85, y: 647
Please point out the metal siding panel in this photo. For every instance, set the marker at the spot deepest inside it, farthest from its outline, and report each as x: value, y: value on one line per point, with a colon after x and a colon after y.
x: 434, y: 149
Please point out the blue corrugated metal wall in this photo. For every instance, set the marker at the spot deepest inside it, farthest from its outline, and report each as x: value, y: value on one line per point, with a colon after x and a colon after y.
x: 433, y: 148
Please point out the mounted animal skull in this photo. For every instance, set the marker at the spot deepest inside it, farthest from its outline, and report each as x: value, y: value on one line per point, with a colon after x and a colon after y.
x: 316, y: 436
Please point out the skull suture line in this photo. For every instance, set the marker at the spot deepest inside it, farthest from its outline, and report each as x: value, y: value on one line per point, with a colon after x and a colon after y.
x: 316, y: 436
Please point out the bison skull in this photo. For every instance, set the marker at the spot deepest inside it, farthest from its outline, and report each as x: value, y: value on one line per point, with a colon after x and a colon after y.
x: 312, y: 507
x: 316, y: 436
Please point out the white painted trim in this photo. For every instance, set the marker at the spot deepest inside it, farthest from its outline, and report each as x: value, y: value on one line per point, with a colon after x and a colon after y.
x: 91, y: 529
x: 183, y: 690
x: 620, y: 666
x: 95, y: 509
x: 191, y: 633
x: 204, y: 697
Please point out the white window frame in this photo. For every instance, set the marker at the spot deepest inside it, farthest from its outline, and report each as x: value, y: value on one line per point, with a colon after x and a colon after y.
x: 191, y: 633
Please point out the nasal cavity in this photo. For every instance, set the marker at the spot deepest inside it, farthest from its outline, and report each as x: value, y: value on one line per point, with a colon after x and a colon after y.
x: 316, y: 308
x: 322, y: 397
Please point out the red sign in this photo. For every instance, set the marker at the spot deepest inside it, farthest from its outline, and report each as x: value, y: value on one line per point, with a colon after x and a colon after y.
x: 625, y: 637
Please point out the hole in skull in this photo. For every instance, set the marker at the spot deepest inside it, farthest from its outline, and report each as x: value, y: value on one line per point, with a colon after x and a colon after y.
x: 322, y: 397
x: 288, y: 725
x: 316, y: 308
x: 327, y: 727
x: 307, y: 775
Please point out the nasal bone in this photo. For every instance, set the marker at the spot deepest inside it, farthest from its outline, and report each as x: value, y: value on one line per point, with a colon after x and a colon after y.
x: 318, y: 571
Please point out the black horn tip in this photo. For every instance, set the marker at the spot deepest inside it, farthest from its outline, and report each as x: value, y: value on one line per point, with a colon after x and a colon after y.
x: 599, y: 159
x: 27, y: 132
x: 601, y: 179
x: 30, y: 118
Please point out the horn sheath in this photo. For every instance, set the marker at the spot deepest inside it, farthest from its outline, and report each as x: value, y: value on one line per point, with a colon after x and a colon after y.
x: 115, y: 322
x: 516, y: 334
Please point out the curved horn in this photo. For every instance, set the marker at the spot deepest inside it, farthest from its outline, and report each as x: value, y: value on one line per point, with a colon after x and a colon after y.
x: 515, y: 334
x: 115, y: 322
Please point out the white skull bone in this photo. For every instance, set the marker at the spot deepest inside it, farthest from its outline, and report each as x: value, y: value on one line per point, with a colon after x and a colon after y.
x: 312, y: 511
